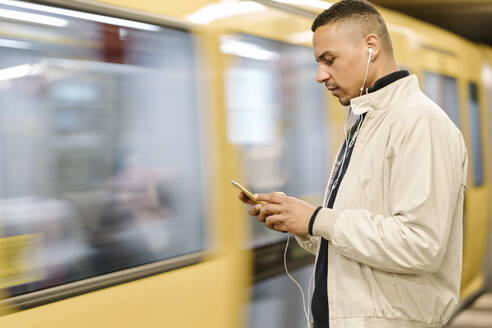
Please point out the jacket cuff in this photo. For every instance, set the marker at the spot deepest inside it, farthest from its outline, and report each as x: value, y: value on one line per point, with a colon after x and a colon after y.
x: 324, y: 225
x: 311, y: 221
x: 303, y: 238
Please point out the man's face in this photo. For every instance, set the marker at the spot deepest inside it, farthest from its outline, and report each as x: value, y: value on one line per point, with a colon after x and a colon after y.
x: 342, y: 58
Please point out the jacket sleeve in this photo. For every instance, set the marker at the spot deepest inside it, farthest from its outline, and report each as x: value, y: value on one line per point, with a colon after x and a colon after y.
x: 427, y: 180
x: 309, y: 243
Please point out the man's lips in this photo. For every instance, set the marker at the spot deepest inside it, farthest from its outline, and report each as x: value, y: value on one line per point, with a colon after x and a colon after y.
x: 332, y: 89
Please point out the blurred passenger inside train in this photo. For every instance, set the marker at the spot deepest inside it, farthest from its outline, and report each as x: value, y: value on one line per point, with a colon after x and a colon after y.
x: 134, y: 225
x: 388, y: 236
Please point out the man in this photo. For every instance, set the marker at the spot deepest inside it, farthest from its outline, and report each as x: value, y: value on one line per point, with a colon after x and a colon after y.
x: 388, y: 237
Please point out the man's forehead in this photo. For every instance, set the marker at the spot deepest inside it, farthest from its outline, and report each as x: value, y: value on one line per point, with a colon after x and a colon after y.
x: 330, y: 38
x: 325, y: 40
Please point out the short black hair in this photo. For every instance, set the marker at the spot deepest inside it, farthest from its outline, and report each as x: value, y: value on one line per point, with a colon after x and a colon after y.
x: 360, y: 12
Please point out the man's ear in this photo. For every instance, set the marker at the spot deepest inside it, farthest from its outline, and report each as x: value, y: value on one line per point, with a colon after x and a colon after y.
x: 373, y: 42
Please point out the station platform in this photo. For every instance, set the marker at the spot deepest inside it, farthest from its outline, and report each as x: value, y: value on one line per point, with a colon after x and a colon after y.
x: 477, y: 315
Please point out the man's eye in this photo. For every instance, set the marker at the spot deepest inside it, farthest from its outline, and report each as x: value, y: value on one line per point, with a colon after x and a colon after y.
x: 329, y: 61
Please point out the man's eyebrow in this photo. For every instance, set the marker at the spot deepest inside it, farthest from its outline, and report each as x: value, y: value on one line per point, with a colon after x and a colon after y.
x: 327, y: 52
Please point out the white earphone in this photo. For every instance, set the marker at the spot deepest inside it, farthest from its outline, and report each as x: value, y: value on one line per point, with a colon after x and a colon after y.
x: 367, y: 70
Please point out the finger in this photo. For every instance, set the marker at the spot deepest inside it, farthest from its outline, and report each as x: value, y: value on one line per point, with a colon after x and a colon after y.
x: 274, y: 220
x: 267, y: 210
x: 281, y: 227
x: 269, y: 224
x: 270, y: 209
x: 261, y: 215
x: 270, y: 198
x: 245, y: 199
x: 277, y: 227
x: 281, y: 193
x: 254, y: 210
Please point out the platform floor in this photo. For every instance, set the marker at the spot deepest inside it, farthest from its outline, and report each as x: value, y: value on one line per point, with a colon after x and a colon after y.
x: 477, y: 315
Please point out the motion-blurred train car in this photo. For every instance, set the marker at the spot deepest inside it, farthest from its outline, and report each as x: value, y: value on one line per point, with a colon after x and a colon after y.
x: 122, y: 123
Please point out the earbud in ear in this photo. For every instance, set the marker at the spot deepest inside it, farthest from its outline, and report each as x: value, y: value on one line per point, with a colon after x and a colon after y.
x: 367, y: 70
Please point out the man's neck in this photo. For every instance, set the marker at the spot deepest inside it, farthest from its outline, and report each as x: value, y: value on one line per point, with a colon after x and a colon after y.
x: 382, y: 70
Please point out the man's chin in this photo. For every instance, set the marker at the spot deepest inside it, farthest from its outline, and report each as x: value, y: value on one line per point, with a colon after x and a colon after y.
x: 344, y: 101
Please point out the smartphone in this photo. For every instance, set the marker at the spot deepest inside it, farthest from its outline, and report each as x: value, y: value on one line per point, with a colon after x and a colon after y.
x: 245, y: 191
x: 249, y: 195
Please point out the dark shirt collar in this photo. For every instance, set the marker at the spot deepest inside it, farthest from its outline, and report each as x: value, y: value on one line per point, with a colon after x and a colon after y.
x: 387, y: 79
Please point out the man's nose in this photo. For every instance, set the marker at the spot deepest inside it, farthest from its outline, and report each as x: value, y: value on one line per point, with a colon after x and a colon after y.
x: 322, y: 75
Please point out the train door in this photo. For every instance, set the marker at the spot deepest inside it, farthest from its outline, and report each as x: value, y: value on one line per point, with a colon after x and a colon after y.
x: 279, y: 124
x: 487, y: 93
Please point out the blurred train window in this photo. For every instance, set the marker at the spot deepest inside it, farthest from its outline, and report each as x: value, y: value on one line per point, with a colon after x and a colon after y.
x: 475, y: 134
x: 277, y: 117
x: 444, y: 91
x: 100, y: 146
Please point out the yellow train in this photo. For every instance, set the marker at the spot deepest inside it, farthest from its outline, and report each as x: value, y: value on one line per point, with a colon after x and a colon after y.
x: 122, y: 123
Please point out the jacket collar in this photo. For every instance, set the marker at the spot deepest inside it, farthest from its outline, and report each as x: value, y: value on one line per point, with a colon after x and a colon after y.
x: 387, y: 79
x: 385, y: 97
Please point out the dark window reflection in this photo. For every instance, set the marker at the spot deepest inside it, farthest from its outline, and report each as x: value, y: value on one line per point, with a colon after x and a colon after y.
x: 476, y: 134
x: 444, y: 91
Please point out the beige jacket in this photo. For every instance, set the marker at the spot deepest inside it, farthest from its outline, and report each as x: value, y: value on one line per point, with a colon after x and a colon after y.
x: 395, y: 231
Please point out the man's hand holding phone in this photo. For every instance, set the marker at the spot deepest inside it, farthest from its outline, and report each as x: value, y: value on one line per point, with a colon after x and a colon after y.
x: 278, y: 211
